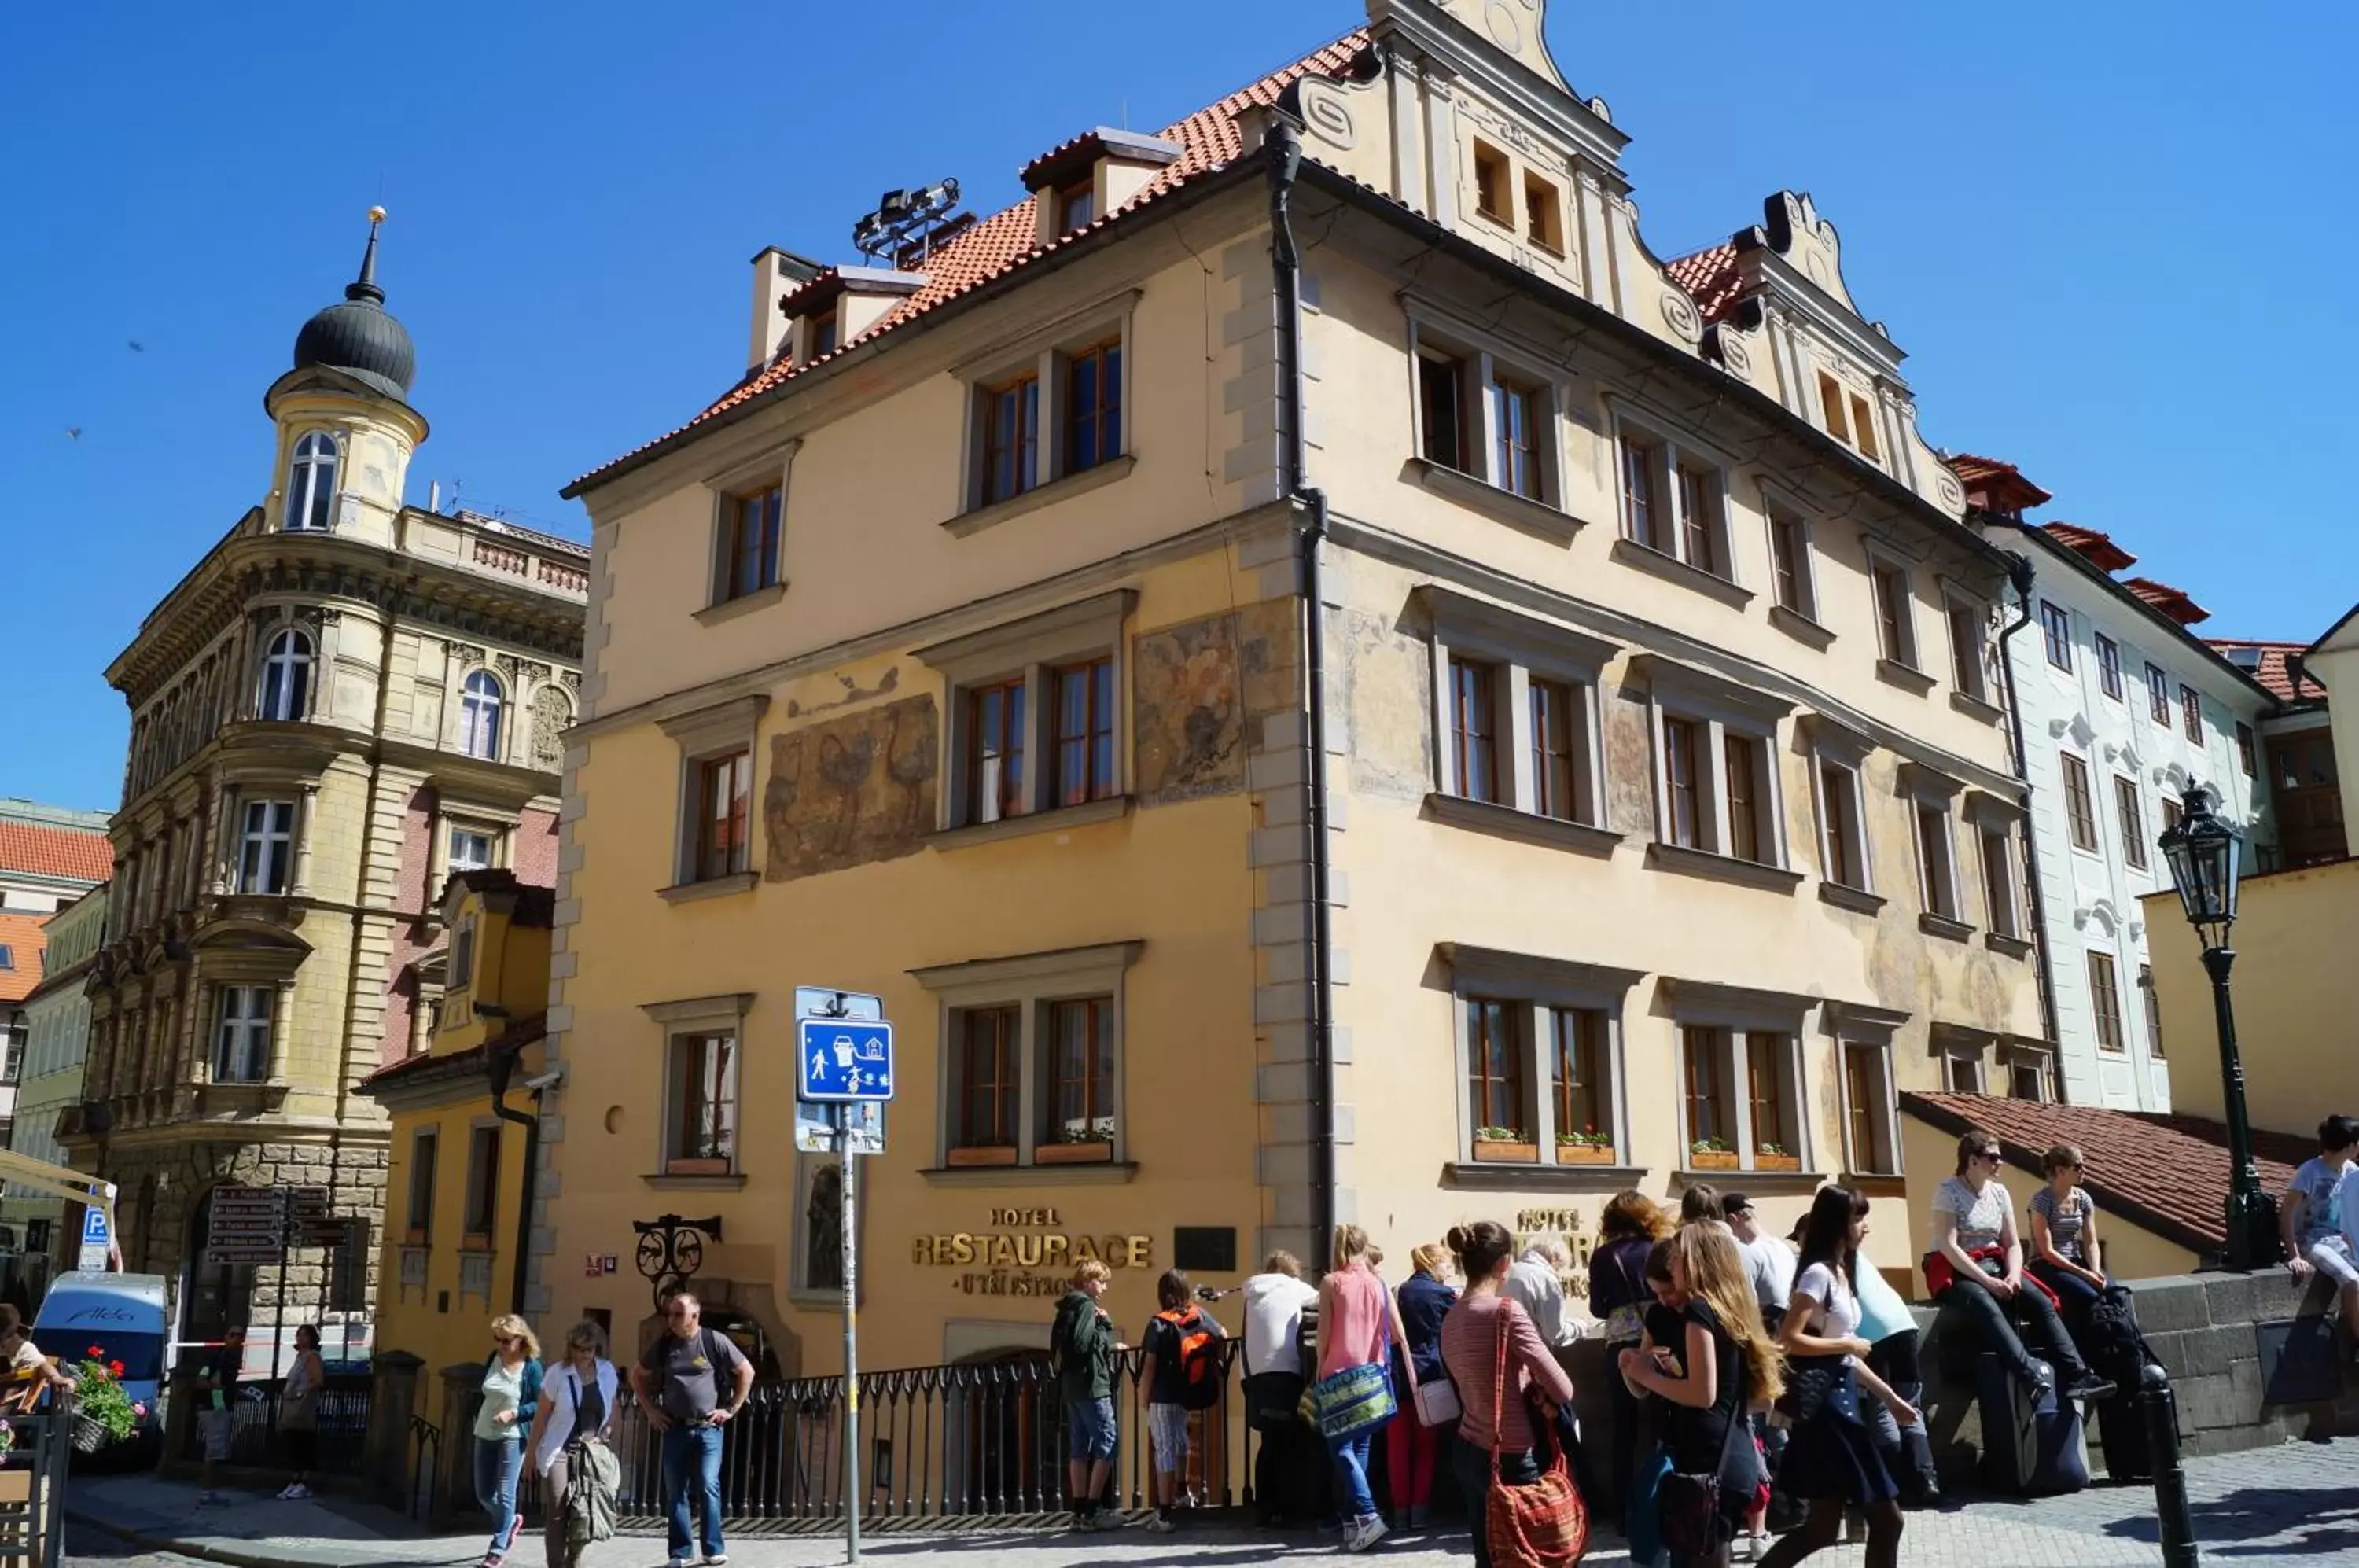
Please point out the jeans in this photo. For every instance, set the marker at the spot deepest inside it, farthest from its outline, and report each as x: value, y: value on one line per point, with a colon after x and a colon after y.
x: 2077, y: 1294
x: 1907, y: 1451
x: 1354, y: 1500
x: 698, y: 1446
x: 496, y: 1461
x: 1090, y: 1429
x: 1517, y: 1467
x: 1989, y: 1317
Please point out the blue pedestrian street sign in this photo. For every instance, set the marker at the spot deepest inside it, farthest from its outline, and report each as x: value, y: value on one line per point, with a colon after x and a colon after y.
x: 844, y: 1059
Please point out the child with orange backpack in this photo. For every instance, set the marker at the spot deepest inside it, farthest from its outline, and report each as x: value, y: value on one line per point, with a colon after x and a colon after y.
x: 1183, y: 1372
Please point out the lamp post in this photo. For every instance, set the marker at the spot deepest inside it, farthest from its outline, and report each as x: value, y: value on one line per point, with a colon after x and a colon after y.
x: 2201, y: 850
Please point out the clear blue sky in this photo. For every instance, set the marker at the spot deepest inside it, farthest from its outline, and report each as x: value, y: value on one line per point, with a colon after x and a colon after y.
x: 2112, y: 238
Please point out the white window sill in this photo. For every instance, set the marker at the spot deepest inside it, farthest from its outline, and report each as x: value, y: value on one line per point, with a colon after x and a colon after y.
x: 975, y: 519
x: 1506, y: 822
x: 712, y: 887
x: 1105, y: 811
x: 1910, y: 678
x: 1670, y: 567
x: 1720, y: 867
x: 1534, y: 516
x: 744, y: 605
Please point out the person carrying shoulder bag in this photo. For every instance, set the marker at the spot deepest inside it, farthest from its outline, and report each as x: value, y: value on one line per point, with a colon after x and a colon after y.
x: 1527, y: 1517
x: 580, y: 1475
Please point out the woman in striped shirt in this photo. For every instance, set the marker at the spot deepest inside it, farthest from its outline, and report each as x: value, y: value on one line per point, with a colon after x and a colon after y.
x: 1470, y: 1349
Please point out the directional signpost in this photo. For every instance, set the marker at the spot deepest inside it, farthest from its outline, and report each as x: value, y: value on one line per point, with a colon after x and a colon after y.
x: 843, y: 1049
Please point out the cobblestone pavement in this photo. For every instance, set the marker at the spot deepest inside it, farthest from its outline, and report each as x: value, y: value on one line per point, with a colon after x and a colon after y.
x: 2297, y: 1504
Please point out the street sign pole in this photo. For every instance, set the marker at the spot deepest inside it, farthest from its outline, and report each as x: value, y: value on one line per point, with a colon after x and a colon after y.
x: 851, y: 1163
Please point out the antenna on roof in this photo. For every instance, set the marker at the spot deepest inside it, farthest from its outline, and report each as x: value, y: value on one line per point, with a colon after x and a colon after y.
x: 906, y: 226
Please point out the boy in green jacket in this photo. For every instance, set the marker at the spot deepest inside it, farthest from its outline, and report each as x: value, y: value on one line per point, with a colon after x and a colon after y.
x: 1082, y: 1346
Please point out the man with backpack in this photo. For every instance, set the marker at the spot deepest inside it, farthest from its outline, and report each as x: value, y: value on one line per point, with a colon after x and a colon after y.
x: 1182, y: 1373
x: 1081, y: 1348
x: 680, y: 1381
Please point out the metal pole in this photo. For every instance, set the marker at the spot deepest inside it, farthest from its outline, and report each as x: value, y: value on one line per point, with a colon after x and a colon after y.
x: 850, y: 1184
x: 2248, y: 1216
x: 2159, y: 1410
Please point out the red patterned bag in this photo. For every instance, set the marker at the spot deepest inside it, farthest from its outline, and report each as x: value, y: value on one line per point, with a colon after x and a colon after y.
x: 1543, y: 1524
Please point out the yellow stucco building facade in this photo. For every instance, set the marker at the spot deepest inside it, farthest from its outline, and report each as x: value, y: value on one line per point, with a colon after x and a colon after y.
x: 1319, y: 680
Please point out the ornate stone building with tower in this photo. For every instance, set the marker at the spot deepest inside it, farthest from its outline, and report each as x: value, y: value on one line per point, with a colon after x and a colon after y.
x: 345, y: 701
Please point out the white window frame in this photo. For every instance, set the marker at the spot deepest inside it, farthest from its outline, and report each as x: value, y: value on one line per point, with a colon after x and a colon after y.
x: 1032, y: 650
x: 1030, y: 983
x: 312, y: 470
x: 1484, y: 363
x: 489, y: 838
x: 1671, y: 455
x: 1540, y: 987
x: 1873, y: 1030
x: 1964, y: 1055
x: 243, y: 1017
x: 483, y: 713
x: 1737, y: 1013
x: 1045, y: 355
x: 284, y: 693
x: 722, y: 1014
x: 1836, y: 747
x: 1721, y: 707
x: 1908, y: 654
x: 2014, y: 1056
x: 1775, y: 505
x: 706, y: 735
x: 1970, y: 676
x: 1518, y: 649
x: 266, y: 846
x: 1926, y: 789
x: 730, y: 1097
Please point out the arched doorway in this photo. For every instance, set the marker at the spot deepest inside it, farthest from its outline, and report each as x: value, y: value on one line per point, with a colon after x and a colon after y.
x: 214, y: 1298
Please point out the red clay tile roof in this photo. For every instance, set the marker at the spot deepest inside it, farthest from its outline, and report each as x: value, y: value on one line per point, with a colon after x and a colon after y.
x: 2164, y: 1173
x: 2100, y: 549
x: 1998, y: 484
x: 23, y: 937
x: 1712, y: 277
x: 2276, y: 670
x: 56, y: 852
x: 2170, y: 600
x: 1009, y: 239
x: 474, y: 1059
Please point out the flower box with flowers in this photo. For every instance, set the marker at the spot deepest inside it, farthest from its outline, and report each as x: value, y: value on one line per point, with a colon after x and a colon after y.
x: 103, y: 1413
x: 1510, y: 1145
x: 1587, y: 1147
x: 1773, y: 1157
x: 1710, y: 1154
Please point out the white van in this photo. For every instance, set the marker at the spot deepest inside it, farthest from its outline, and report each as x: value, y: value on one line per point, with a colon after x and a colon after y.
x: 121, y: 1315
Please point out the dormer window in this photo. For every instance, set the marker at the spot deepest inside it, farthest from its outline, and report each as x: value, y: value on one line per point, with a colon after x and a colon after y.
x: 822, y: 335
x: 1543, y: 214
x: 1493, y: 197
x: 1098, y: 172
x: 311, y: 484
x: 1849, y: 419
x: 1077, y: 206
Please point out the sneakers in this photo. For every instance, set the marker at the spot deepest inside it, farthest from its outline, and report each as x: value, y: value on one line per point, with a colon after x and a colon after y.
x: 1749, y: 1547
x: 1364, y: 1534
x: 1163, y: 1523
x: 2089, y: 1385
x: 717, y: 1560
x: 294, y: 1492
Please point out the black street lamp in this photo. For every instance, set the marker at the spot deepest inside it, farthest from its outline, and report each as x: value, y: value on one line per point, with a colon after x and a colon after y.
x: 2203, y: 865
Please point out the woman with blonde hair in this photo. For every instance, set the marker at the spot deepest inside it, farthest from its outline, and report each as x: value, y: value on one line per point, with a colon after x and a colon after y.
x: 511, y: 1398
x: 1353, y: 1393
x: 579, y: 1411
x: 1725, y: 1360
x: 1413, y: 1449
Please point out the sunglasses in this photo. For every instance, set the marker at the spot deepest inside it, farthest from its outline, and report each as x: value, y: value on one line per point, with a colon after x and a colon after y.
x: 1989, y: 1154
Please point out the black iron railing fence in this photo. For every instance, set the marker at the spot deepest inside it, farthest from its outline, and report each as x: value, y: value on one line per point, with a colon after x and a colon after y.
x: 254, y: 1438
x: 937, y: 1442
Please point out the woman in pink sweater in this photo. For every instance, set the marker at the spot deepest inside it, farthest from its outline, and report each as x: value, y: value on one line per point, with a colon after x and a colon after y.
x: 1470, y: 1349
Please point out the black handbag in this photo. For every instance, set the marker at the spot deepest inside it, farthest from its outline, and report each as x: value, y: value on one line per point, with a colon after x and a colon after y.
x: 1690, y: 1503
x: 1808, y: 1381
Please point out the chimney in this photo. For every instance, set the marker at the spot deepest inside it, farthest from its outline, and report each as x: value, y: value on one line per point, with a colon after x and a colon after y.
x: 776, y: 273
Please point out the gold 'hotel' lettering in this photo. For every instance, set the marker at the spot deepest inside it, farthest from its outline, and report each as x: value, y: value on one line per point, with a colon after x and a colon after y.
x: 1017, y: 1249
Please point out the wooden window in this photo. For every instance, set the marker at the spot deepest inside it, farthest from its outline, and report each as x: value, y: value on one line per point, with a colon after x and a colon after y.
x: 2157, y: 695
x: 1831, y: 401
x: 1642, y: 513
x: 2247, y: 756
x: 1710, y: 1118
x: 2309, y: 800
x: 1440, y: 384
x: 995, y: 752
x: 1863, y: 426
x: 2105, y: 1001
x: 1473, y: 718
x: 753, y: 553
x: 1543, y: 214
x: 2109, y: 664
x: 2153, y: 1011
x: 1682, y: 753
x: 1868, y: 1109
x: 1892, y: 615
x: 1998, y: 882
x: 724, y: 819
x: 822, y: 334
x: 483, y: 1206
x: 1085, y: 770
x: 988, y: 1091
x: 2171, y: 812
x: 1699, y: 518
x: 1081, y: 1035
x: 1741, y: 759
x: 2080, y: 805
x: 1492, y: 198
x: 1011, y: 437
x: 1966, y: 648
x: 1093, y: 406
x: 2191, y: 710
x: 1556, y: 766
x: 1077, y: 206
x: 424, y: 1144
x: 1788, y: 561
x: 1494, y: 1068
x: 1775, y: 1129
x: 1516, y: 413
x: 1939, y: 885
x: 2128, y: 807
x: 1585, y: 1102
x: 703, y: 1121
x: 1845, y: 857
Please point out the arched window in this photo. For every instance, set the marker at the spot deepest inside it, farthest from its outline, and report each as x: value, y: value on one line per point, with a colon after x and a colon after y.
x: 286, y: 677
x: 311, y: 483
x: 479, y: 716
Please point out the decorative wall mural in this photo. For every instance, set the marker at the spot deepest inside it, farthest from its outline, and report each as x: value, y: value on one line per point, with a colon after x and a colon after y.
x: 1188, y: 711
x: 552, y: 710
x: 852, y: 790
